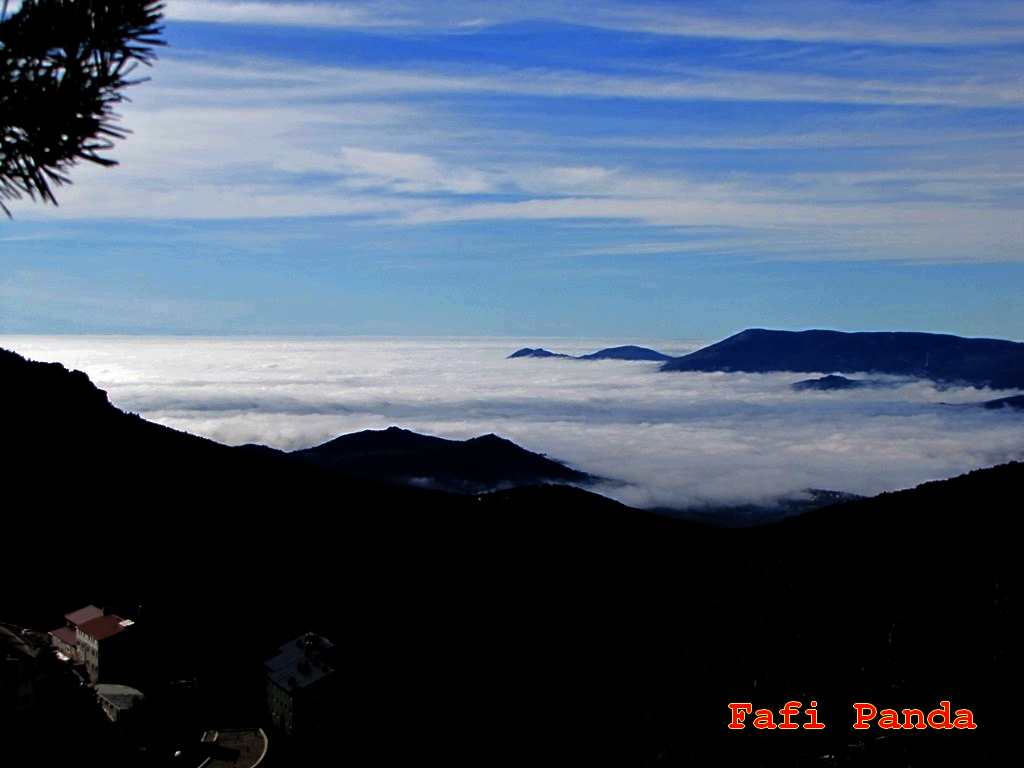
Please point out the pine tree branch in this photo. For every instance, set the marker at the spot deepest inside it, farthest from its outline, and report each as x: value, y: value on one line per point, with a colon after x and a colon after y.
x: 63, y: 67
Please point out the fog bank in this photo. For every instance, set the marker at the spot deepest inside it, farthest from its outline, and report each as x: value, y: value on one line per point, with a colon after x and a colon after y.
x: 669, y: 439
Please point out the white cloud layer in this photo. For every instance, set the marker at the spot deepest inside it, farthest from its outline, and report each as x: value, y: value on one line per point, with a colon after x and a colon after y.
x: 671, y: 439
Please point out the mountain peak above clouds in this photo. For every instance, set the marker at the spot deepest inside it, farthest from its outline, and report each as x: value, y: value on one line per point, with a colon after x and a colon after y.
x: 538, y: 352
x: 627, y: 352
x: 943, y: 358
x: 476, y: 465
x: 827, y: 383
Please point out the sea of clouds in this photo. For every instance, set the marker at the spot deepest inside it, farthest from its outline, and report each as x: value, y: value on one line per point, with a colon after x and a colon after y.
x: 665, y: 439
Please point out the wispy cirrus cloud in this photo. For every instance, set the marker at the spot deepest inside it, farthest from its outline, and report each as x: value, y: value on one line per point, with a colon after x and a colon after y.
x: 899, y: 22
x: 432, y: 145
x: 990, y: 82
x: 335, y: 151
x: 398, y: 171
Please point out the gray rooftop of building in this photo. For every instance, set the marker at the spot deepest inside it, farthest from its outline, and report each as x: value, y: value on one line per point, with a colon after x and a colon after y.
x: 298, y: 664
x: 121, y: 696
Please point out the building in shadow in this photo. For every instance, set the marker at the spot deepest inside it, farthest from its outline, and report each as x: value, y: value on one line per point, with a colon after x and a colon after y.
x: 302, y: 687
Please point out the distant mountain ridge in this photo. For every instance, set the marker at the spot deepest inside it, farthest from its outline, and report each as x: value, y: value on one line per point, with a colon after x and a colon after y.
x: 627, y: 352
x: 946, y: 359
x: 400, y: 456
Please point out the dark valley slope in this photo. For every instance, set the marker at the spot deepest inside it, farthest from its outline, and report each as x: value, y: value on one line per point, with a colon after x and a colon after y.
x: 945, y: 359
x: 541, y: 625
x: 755, y: 514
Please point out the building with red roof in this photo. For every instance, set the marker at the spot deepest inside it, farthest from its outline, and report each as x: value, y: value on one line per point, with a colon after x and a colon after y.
x: 105, y: 637
x: 65, y: 639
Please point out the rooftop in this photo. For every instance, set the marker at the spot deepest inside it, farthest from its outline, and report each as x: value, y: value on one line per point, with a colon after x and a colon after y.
x: 66, y: 634
x: 103, y: 627
x: 121, y: 696
x: 299, y: 664
x: 83, y: 615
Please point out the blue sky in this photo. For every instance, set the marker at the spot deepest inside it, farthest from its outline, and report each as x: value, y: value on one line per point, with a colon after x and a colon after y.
x: 638, y: 169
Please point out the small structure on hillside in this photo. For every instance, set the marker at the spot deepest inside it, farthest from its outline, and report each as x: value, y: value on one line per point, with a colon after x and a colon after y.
x: 117, y: 700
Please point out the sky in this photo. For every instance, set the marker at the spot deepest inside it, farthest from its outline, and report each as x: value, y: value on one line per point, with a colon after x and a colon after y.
x: 677, y: 440
x: 534, y: 169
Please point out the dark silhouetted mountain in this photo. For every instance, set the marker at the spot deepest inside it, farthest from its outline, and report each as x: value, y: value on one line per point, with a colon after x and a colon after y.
x: 827, y: 384
x: 539, y: 352
x: 66, y: 393
x: 476, y: 465
x: 994, y: 363
x: 628, y: 352
x: 537, y: 625
x: 1014, y: 401
x: 263, y: 450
